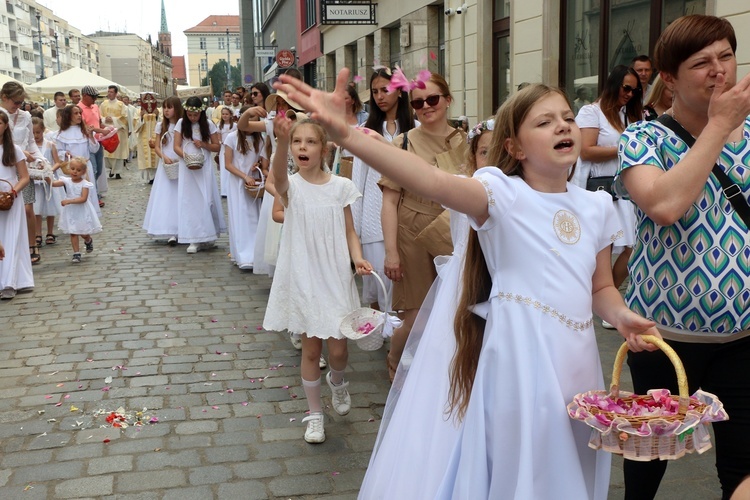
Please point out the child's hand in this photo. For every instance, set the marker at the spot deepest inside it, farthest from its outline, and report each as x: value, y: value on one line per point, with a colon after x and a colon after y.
x: 64, y: 202
x: 282, y: 126
x: 328, y: 108
x: 631, y: 326
x: 362, y: 267
x: 2, y: 252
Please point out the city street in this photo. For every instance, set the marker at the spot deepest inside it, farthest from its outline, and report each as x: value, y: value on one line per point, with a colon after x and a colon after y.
x: 209, y: 405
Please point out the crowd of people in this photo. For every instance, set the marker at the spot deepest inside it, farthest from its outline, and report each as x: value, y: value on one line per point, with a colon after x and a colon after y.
x: 494, y: 246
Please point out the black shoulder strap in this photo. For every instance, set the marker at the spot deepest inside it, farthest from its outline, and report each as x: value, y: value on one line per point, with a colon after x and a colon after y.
x: 732, y: 191
x: 405, y: 144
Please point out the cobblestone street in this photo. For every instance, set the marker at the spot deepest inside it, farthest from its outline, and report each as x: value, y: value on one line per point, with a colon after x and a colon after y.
x: 145, y: 328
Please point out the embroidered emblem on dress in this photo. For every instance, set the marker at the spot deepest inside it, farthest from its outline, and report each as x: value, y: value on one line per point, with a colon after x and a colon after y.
x: 577, y: 326
x: 567, y: 228
x: 619, y: 234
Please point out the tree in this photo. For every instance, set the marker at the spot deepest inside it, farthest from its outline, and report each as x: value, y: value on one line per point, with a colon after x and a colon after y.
x: 218, y: 77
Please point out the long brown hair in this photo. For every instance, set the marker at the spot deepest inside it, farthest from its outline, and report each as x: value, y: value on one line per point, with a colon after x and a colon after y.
x: 242, y: 144
x: 9, y: 150
x: 66, y: 119
x: 609, y: 98
x: 176, y: 104
x: 476, y: 280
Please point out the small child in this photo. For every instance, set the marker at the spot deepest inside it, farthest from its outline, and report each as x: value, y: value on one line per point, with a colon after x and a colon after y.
x: 313, y: 288
x: 78, y: 216
x: 46, y: 205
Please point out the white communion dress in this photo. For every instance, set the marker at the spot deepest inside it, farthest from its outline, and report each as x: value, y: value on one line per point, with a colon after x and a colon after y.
x: 79, y: 218
x: 160, y: 221
x: 15, y: 268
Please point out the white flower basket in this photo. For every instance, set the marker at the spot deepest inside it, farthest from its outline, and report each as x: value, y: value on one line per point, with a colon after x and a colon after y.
x: 365, y: 325
x: 172, y: 170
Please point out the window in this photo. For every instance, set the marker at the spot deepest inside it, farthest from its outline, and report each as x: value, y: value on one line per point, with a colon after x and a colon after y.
x: 597, y: 35
x: 310, y: 14
x: 221, y: 43
x: 394, y: 43
x: 27, y: 56
x: 500, y: 52
x: 202, y: 42
x: 204, y: 65
x: 238, y: 62
x: 237, y: 43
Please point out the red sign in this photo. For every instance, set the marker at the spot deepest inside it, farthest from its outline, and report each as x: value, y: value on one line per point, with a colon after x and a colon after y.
x: 285, y: 59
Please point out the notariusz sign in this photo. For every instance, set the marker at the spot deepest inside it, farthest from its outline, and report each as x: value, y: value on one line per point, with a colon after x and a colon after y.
x: 347, y: 12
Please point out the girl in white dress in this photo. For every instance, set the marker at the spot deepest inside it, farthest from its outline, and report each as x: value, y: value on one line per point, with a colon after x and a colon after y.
x: 226, y: 126
x: 242, y: 152
x: 200, y: 215
x: 161, y: 219
x: 313, y: 288
x: 78, y: 217
x: 47, y: 203
x: 537, y: 263
x: 422, y: 380
x: 74, y: 139
x: 15, y: 268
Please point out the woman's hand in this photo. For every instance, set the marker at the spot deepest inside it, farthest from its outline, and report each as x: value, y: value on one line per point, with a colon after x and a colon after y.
x: 729, y: 108
x: 632, y: 326
x: 362, y: 267
x: 64, y: 202
x: 392, y: 267
x: 327, y: 108
x: 167, y: 160
x: 200, y: 144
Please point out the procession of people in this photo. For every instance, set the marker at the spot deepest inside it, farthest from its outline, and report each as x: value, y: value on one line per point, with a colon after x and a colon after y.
x: 495, y: 247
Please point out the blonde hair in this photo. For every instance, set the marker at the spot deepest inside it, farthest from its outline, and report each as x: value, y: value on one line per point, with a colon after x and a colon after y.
x: 319, y: 131
x: 80, y: 160
x: 656, y: 92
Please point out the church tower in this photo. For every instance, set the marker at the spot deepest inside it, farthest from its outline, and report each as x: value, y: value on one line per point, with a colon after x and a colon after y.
x: 165, y: 37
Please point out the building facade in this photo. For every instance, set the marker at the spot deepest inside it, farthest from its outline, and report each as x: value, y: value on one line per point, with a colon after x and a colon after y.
x: 279, y: 30
x: 62, y: 46
x: 486, y: 48
x: 216, y: 38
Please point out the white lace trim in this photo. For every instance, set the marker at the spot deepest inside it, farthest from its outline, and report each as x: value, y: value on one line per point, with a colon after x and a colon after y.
x: 577, y: 326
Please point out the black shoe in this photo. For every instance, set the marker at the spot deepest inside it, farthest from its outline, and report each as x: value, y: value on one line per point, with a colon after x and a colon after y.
x: 89, y: 245
x: 118, y: 176
x: 76, y: 258
x: 111, y: 176
x: 151, y: 182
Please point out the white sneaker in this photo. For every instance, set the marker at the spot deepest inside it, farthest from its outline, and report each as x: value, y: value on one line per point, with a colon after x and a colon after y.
x: 192, y: 248
x: 608, y: 326
x: 296, y: 340
x: 315, y: 433
x: 323, y: 364
x: 340, y: 398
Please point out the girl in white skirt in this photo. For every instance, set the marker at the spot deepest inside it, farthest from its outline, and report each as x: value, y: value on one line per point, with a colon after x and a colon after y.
x: 47, y: 203
x: 226, y: 126
x: 15, y: 268
x: 244, y: 156
x: 78, y: 216
x: 161, y: 220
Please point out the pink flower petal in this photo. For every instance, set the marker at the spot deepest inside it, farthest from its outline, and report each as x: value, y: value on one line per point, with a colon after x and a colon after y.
x: 433, y: 56
x: 244, y: 403
x: 215, y: 407
x: 357, y: 78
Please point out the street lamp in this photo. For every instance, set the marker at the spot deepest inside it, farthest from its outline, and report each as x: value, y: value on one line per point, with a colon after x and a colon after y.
x: 207, y: 70
x: 229, y: 65
x: 41, y: 51
x: 199, y: 74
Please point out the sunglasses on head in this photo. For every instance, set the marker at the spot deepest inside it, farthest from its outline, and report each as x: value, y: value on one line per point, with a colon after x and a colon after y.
x: 431, y: 101
x: 628, y: 89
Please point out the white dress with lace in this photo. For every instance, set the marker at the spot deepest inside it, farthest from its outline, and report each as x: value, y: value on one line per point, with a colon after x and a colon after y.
x: 313, y: 288
x: 79, y: 218
x: 539, y: 349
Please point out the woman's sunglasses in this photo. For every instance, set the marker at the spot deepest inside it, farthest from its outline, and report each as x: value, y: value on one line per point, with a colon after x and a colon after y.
x: 255, y: 94
x: 628, y: 89
x: 431, y: 100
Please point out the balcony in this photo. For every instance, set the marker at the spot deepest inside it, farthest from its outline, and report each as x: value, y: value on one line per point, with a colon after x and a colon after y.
x: 13, y: 36
x: 9, y: 7
x: 15, y: 62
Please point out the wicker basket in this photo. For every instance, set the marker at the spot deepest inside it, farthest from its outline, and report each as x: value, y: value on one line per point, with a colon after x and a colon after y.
x: 648, y: 437
x: 172, y: 170
x: 365, y: 325
x: 258, y: 190
x: 193, y: 161
x: 6, y: 197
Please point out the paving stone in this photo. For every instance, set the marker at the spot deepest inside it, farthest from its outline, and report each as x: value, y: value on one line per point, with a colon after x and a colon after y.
x: 247, y: 490
x: 210, y: 475
x: 85, y: 486
x: 46, y: 472
x: 300, y: 485
x: 140, y: 481
x: 194, y: 493
x: 196, y: 427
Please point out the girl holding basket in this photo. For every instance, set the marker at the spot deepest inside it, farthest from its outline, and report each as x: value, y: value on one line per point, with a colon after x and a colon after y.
x: 537, y: 264
x: 313, y: 288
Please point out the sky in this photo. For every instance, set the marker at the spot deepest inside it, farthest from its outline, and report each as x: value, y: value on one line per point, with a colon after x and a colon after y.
x: 142, y: 17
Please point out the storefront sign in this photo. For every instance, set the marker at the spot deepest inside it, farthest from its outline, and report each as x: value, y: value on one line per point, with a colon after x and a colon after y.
x: 285, y: 59
x: 261, y: 53
x: 347, y: 12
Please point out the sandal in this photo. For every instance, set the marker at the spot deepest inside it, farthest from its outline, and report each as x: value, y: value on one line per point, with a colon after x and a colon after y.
x: 39, y: 240
x: 50, y: 239
x: 36, y: 257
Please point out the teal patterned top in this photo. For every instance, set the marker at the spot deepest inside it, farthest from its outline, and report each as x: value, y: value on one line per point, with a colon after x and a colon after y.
x: 692, y: 276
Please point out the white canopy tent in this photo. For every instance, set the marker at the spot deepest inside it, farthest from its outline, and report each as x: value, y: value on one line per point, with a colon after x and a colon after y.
x: 74, y: 78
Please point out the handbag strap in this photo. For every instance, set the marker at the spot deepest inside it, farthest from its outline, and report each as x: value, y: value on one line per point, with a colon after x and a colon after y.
x: 731, y: 191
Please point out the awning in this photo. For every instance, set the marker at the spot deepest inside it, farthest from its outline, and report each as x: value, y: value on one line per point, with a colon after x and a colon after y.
x: 271, y: 73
